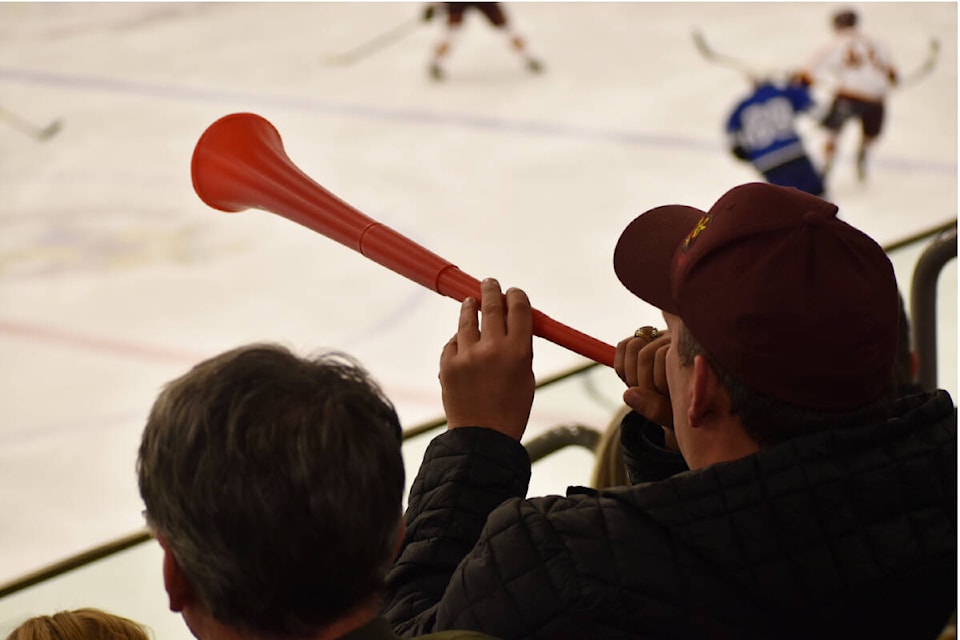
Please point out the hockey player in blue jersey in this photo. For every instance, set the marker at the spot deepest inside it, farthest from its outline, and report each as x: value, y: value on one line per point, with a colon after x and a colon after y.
x: 761, y: 131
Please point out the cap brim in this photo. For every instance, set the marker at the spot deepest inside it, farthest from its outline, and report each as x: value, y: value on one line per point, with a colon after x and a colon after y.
x: 645, y: 250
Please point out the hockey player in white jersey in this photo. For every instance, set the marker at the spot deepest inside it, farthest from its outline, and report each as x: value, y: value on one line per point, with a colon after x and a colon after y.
x: 862, y: 72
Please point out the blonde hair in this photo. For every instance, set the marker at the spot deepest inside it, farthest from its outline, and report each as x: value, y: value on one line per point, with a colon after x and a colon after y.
x: 79, y: 624
x: 609, y: 469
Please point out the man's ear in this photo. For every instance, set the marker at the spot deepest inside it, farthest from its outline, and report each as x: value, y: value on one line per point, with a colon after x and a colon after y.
x: 179, y: 589
x: 708, y: 396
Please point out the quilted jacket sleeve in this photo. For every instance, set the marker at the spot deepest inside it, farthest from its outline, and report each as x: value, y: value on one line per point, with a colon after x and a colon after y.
x: 466, y: 473
x: 521, y: 580
x: 644, y: 453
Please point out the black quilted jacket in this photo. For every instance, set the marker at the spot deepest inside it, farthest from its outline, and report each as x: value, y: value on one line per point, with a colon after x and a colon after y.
x: 843, y: 534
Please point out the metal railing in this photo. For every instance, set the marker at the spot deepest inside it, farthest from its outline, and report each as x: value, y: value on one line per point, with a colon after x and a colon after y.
x: 564, y: 435
x: 543, y: 445
x: 923, y: 303
x: 923, y: 318
x: 75, y: 562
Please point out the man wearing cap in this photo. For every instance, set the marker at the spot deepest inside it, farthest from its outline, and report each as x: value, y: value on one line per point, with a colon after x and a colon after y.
x: 816, y: 504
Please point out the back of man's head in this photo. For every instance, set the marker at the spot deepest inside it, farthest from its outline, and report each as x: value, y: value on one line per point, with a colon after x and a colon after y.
x: 792, y: 302
x: 276, y: 482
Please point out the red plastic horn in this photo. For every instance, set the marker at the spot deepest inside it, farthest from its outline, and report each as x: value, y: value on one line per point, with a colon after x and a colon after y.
x: 239, y: 163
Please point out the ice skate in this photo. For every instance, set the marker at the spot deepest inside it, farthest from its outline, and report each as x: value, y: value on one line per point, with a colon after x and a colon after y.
x: 436, y: 72
x: 534, y: 65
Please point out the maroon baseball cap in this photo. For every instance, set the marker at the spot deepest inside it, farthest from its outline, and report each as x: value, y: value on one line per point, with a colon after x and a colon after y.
x: 793, y: 302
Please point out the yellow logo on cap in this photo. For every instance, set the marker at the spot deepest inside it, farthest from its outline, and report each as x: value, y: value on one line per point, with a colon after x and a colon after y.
x: 697, y: 230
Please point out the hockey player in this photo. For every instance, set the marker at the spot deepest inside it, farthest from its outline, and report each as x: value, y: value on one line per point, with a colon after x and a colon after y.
x: 863, y: 73
x: 761, y: 131
x: 495, y: 15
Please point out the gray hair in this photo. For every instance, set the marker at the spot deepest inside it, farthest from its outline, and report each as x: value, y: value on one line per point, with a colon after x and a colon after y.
x: 276, y: 482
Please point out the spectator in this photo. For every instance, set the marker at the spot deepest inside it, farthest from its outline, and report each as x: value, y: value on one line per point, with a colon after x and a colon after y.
x: 634, y: 450
x: 274, y: 485
x: 79, y: 624
x: 817, y: 504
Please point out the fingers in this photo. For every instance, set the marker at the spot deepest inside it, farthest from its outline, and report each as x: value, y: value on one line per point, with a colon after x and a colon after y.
x: 519, y: 320
x: 449, y: 351
x: 501, y: 315
x: 486, y: 373
x: 493, y: 314
x: 468, y: 331
x: 641, y: 364
x: 651, y: 369
x: 619, y: 359
x: 628, y: 353
x: 660, y: 368
x: 633, y: 361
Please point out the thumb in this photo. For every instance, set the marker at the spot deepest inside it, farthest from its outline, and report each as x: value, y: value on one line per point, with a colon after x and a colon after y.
x: 650, y: 404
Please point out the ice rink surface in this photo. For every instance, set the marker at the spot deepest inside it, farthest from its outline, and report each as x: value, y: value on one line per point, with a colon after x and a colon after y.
x: 115, y: 277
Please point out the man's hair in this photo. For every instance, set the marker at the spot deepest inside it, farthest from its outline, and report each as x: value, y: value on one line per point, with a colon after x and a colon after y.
x: 79, y: 624
x: 845, y: 19
x: 770, y: 421
x: 276, y: 482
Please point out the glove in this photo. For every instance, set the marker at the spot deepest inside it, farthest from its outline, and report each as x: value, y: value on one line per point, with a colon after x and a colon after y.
x: 800, y: 78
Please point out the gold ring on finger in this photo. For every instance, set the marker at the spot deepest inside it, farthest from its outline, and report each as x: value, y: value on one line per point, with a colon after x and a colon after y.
x: 647, y: 333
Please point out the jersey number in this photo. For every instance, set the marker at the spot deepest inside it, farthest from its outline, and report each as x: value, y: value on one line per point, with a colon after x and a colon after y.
x: 767, y: 122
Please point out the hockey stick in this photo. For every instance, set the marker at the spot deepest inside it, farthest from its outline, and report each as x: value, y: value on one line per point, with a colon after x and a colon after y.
x: 728, y: 61
x: 383, y: 40
x: 924, y: 69
x: 35, y: 132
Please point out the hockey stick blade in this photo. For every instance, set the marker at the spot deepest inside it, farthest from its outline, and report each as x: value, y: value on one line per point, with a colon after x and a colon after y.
x: 35, y: 132
x: 702, y: 46
x: 710, y: 54
x: 50, y: 130
x: 924, y: 69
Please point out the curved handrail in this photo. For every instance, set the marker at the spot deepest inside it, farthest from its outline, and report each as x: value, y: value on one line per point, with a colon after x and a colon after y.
x: 564, y: 435
x: 923, y: 303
